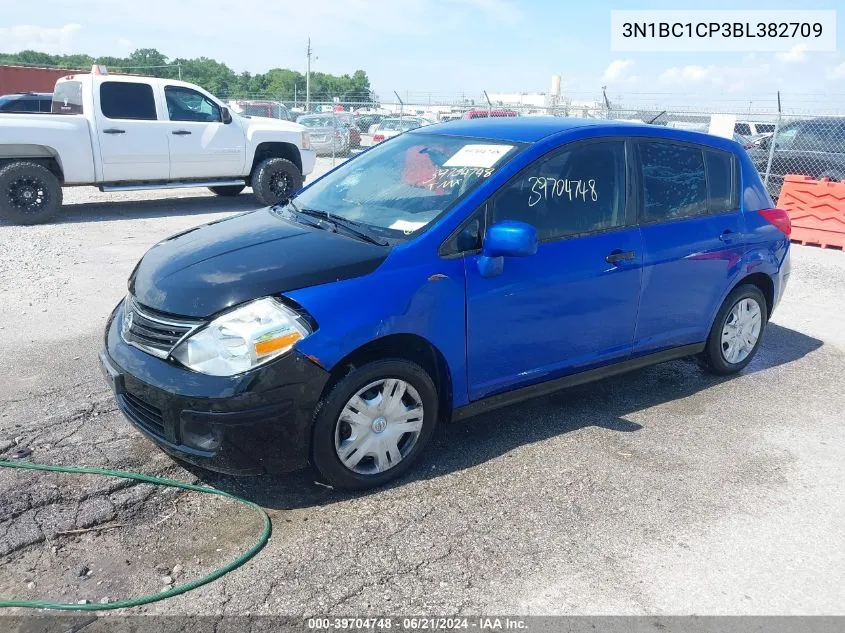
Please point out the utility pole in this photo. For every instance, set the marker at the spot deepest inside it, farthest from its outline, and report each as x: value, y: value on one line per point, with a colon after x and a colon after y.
x: 308, y: 79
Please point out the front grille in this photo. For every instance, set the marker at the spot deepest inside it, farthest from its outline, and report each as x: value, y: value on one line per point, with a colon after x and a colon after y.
x: 152, y: 331
x: 145, y: 415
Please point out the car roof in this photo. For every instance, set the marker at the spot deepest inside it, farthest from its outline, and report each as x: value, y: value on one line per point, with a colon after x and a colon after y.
x: 533, y: 129
x: 29, y: 95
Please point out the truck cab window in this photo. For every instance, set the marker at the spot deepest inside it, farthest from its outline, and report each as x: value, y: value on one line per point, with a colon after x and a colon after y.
x: 184, y: 104
x: 127, y: 100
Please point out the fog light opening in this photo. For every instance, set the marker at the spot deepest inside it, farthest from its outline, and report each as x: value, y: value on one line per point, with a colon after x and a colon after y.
x: 200, y: 435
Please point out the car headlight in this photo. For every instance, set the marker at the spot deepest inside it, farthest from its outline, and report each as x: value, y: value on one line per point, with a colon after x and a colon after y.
x: 306, y: 140
x: 244, y: 338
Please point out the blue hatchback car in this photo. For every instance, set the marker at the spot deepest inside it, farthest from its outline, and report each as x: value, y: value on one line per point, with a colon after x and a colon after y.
x: 446, y: 272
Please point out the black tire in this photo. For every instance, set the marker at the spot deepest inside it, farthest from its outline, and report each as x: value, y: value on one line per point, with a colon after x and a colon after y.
x: 275, y: 180
x: 713, y: 355
x: 227, y: 190
x: 29, y: 193
x: 327, y: 420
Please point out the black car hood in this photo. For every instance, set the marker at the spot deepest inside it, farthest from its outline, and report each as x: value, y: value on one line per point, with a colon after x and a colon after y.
x: 214, y: 266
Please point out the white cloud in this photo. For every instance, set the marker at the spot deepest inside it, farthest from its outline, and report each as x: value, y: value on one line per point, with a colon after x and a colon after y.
x: 39, y: 38
x: 836, y: 72
x: 125, y: 44
x: 616, y: 69
x: 687, y: 74
x: 797, y: 53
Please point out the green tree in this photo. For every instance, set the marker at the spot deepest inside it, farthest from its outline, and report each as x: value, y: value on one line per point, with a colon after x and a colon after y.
x: 214, y: 76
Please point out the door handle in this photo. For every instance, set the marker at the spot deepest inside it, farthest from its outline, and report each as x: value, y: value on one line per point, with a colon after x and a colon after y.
x: 180, y: 132
x: 619, y: 256
x: 727, y: 236
x: 113, y: 130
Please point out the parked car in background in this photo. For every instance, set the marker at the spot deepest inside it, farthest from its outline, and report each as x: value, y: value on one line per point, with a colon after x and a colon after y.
x: 268, y: 109
x: 364, y: 122
x: 746, y: 142
x: 753, y: 128
x: 328, y: 134
x: 454, y: 270
x: 122, y: 132
x: 27, y: 102
x: 483, y: 113
x: 809, y: 147
x: 389, y: 128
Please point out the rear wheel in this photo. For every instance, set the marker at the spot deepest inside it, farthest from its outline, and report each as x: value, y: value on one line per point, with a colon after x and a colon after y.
x: 228, y: 190
x: 374, y: 424
x: 737, y: 331
x: 275, y: 180
x: 29, y: 193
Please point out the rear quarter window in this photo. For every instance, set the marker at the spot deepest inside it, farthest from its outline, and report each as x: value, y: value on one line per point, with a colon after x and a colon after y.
x: 721, y: 181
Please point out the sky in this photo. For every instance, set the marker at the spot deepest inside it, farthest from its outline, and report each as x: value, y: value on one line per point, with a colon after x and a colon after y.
x: 436, y: 47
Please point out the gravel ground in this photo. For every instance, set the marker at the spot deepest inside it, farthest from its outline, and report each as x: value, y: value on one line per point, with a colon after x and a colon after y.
x: 665, y: 491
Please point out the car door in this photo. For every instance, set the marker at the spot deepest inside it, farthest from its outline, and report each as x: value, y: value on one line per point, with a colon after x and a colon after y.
x: 201, y: 144
x: 573, y: 304
x: 693, y: 236
x: 132, y: 143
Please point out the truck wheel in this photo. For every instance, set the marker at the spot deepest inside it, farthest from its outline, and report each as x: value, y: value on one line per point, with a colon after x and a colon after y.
x: 275, y: 180
x: 29, y: 193
x: 228, y: 190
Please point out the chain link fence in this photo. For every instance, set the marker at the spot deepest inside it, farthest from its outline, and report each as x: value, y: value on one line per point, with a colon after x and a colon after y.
x: 806, y: 139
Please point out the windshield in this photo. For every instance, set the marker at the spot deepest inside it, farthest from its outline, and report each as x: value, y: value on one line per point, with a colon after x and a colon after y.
x: 402, y: 185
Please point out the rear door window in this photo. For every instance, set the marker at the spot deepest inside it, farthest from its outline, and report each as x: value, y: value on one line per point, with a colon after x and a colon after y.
x: 674, y: 183
x: 742, y: 128
x: 127, y: 100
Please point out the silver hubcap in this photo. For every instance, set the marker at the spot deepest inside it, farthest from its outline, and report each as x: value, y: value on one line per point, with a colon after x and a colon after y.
x: 379, y: 426
x: 741, y: 330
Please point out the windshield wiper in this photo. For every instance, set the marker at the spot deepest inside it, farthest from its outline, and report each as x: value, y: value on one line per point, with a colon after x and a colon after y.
x: 350, y: 226
x: 299, y: 216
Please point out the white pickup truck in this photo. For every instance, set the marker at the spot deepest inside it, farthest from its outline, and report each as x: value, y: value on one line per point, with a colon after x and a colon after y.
x: 122, y: 132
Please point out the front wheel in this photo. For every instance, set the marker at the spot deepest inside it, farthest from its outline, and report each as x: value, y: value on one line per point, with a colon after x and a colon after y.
x: 29, y: 193
x: 374, y: 424
x: 737, y: 331
x: 275, y: 180
x: 227, y: 190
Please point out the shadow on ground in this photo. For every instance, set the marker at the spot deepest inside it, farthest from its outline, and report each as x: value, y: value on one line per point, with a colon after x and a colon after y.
x: 462, y: 445
x: 154, y: 208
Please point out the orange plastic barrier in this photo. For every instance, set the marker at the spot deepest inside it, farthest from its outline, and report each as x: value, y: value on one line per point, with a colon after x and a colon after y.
x: 816, y: 209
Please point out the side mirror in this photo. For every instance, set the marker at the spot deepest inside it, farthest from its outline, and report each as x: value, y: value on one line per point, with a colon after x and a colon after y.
x: 510, y: 238
x: 226, y: 116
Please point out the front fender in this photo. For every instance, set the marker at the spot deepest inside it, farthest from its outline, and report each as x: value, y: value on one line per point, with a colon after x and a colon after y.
x: 427, y: 300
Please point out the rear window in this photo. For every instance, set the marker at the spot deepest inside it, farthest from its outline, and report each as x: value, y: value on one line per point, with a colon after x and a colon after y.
x: 67, y: 98
x: 256, y: 110
x: 127, y: 100
x: 316, y: 121
x: 12, y: 104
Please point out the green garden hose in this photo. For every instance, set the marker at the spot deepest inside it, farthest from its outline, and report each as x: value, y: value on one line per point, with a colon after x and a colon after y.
x: 169, y: 593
